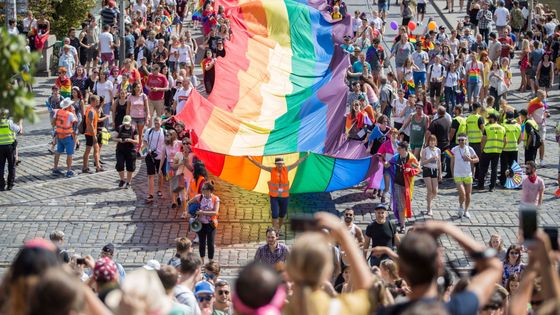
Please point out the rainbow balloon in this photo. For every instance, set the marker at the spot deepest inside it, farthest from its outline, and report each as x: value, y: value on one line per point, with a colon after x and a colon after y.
x: 279, y: 91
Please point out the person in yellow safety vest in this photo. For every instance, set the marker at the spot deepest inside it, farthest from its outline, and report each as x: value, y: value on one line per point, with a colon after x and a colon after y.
x: 279, y: 187
x: 458, y: 125
x: 493, y: 139
x: 531, y: 136
x: 475, y: 126
x: 510, y: 152
x: 63, y: 121
x: 8, y: 131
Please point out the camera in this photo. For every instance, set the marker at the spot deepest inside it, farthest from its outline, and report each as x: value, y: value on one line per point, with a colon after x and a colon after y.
x: 80, y: 261
x: 152, y: 153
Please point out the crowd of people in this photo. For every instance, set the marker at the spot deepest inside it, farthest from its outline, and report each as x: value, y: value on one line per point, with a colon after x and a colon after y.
x: 441, y: 112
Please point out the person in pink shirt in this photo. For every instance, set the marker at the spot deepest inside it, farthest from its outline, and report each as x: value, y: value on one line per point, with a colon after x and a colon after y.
x: 157, y: 85
x: 532, y: 187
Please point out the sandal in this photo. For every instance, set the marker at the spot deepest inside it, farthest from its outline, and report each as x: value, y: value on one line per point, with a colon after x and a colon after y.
x: 159, y: 193
x: 173, y: 206
x: 149, y: 199
x: 184, y: 215
x: 98, y: 170
x: 85, y: 170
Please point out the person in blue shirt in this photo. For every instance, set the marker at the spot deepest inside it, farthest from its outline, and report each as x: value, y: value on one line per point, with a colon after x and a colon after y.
x: 347, y: 46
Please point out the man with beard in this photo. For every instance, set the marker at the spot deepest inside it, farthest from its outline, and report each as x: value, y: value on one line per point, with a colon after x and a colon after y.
x: 352, y: 227
x: 273, y: 251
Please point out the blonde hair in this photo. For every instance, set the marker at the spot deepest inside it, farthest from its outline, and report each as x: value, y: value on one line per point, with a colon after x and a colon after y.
x: 501, y: 246
x: 309, y: 264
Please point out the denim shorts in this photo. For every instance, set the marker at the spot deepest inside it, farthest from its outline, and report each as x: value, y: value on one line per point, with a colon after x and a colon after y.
x: 383, y: 6
x: 279, y: 206
x: 65, y: 144
x: 473, y: 89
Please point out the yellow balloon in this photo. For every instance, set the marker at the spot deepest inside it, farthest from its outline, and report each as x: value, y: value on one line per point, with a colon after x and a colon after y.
x: 432, y: 25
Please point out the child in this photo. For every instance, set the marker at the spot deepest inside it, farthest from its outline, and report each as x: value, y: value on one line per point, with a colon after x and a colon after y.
x: 52, y: 103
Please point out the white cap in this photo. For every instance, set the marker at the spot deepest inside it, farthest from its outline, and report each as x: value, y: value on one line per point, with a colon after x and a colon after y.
x: 66, y: 103
x: 152, y: 264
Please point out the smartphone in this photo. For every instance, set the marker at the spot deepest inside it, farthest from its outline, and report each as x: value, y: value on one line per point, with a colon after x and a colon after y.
x: 80, y: 261
x: 528, y: 221
x: 552, y: 232
x: 304, y: 223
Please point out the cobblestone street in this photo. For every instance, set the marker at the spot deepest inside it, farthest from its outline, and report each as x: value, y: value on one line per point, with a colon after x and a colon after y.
x: 93, y: 211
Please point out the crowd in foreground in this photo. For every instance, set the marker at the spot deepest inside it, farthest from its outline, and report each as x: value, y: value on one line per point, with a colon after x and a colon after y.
x: 324, y: 272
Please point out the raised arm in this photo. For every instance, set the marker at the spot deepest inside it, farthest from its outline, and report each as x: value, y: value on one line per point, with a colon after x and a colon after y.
x: 259, y: 165
x: 298, y: 162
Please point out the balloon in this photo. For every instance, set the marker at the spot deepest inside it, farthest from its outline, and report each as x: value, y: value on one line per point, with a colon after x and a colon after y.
x: 394, y: 25
x: 411, y: 26
x: 432, y: 25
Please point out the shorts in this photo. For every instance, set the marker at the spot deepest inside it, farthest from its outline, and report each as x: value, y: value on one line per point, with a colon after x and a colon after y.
x: 89, y: 141
x: 429, y: 172
x: 65, y: 144
x: 107, y: 57
x: 158, y: 105
x: 435, y: 89
x: 465, y: 180
x: 416, y: 146
x: 279, y: 206
x: 152, y: 165
x: 138, y: 121
x: 421, y: 8
x: 473, y: 89
x: 127, y: 158
x: 382, y: 6
x: 419, y: 77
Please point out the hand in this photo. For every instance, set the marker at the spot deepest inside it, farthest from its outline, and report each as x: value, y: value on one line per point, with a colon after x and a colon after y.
x: 435, y: 228
x: 90, y: 262
x: 330, y: 222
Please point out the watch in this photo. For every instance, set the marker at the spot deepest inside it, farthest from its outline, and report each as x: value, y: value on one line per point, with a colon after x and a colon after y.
x: 485, y: 254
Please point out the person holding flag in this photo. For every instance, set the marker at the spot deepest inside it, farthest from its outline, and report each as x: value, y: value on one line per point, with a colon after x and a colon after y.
x: 279, y: 187
x: 403, y: 167
x: 538, y: 110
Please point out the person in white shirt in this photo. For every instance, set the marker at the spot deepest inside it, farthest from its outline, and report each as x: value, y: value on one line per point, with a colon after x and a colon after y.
x: 182, y: 94
x: 501, y: 16
x: 29, y: 22
x: 12, y: 28
x: 399, y: 109
x: 436, y: 74
x: 140, y: 7
x: 154, y: 142
x: 106, y: 43
x: 463, y: 158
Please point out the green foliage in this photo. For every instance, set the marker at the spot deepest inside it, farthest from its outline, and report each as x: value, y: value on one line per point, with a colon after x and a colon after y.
x: 62, y: 14
x: 13, y: 58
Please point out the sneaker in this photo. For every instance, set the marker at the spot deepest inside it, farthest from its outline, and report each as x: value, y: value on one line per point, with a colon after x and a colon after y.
x: 9, y: 187
x: 121, y: 183
x: 69, y: 173
x: 56, y: 171
x: 541, y: 163
x: 467, y: 215
x: 460, y: 212
x: 126, y: 185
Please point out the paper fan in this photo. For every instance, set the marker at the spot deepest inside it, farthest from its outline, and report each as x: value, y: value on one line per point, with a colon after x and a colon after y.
x: 515, y: 176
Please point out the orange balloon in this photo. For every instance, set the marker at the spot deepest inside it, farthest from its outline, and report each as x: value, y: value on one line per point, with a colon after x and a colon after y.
x: 432, y: 25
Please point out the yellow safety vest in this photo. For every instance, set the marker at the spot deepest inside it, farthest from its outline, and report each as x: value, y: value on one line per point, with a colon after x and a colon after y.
x: 533, y: 125
x: 7, y: 136
x: 494, y: 138
x: 473, y: 130
x: 513, y: 132
x: 462, y: 125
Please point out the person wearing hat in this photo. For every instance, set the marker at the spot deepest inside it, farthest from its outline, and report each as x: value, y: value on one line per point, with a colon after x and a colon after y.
x: 510, y: 152
x: 108, y: 252
x: 8, y: 131
x: 67, y: 60
x: 63, y: 121
x: 106, y: 276
x: 347, y: 46
x: 204, y: 292
x: 380, y: 233
x: 279, y: 187
x: 127, y: 139
x: 492, y: 144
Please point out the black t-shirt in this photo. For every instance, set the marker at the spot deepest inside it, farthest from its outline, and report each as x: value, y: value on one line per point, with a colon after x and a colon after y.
x: 455, y: 125
x: 440, y: 128
x: 463, y: 303
x: 126, y: 133
x: 221, y: 53
x: 381, y: 234
x: 399, y: 174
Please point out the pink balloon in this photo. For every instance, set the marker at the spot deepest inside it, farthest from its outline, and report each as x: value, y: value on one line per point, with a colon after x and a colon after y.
x: 394, y: 25
x: 411, y: 25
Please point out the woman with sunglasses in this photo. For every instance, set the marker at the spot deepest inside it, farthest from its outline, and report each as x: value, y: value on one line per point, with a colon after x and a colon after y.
x: 462, y: 159
x: 512, y: 263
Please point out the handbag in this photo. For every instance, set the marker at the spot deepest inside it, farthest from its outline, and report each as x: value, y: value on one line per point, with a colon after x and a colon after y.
x: 177, y: 183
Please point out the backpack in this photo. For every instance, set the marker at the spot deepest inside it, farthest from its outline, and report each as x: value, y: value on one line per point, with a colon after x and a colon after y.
x: 535, y: 139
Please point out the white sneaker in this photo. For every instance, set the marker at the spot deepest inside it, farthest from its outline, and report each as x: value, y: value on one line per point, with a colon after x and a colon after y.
x: 541, y: 163
x: 467, y: 215
x: 460, y: 212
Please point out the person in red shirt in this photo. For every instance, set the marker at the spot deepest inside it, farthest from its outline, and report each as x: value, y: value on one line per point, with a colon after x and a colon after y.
x: 157, y: 85
x: 507, y: 44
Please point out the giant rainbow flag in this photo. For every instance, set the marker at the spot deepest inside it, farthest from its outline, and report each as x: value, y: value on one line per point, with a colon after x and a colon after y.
x: 279, y: 91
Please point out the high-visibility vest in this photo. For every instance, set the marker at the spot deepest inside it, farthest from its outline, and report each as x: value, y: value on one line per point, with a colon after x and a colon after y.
x: 7, y: 136
x: 194, y: 187
x: 462, y: 125
x: 513, y: 132
x: 533, y: 125
x: 473, y: 130
x: 494, y: 138
x: 279, y: 186
x: 63, y: 127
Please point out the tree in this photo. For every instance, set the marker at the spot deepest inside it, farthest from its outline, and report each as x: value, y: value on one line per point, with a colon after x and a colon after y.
x: 17, y: 65
x: 62, y: 14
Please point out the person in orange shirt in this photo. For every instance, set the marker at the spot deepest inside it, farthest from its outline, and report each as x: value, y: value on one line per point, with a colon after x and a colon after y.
x: 64, y: 121
x: 279, y: 187
x: 91, y: 119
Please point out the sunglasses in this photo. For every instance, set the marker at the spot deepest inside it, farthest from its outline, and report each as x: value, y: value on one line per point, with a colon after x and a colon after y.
x: 209, y: 276
x: 515, y: 253
x: 204, y: 298
x: 220, y: 292
x: 349, y: 215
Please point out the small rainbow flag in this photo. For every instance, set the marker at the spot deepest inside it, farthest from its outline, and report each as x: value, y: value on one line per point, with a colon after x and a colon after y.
x: 448, y: 153
x: 534, y: 104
